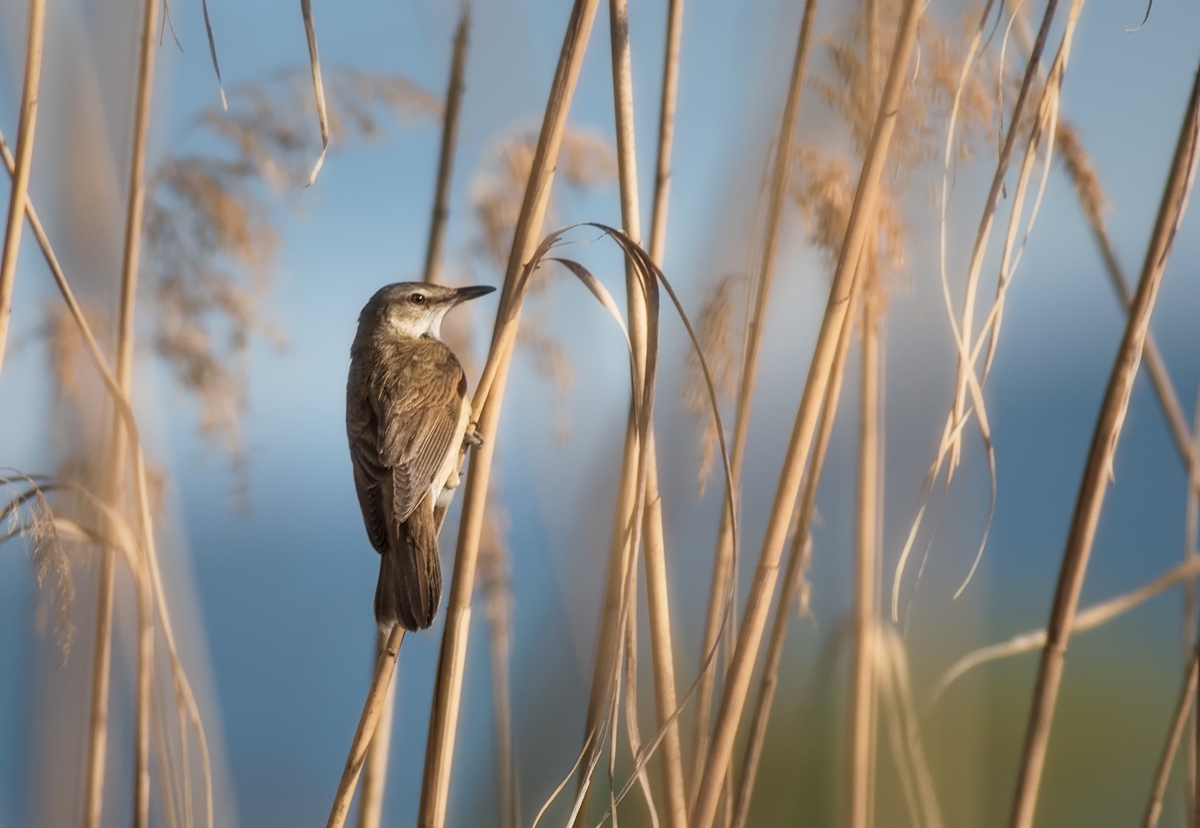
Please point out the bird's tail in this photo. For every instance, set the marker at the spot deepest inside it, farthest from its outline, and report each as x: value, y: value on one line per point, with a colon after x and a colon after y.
x: 410, y: 574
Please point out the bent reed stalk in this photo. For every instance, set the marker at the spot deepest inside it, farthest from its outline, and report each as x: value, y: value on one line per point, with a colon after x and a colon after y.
x: 485, y: 417
x: 1099, y: 464
x: 843, y: 286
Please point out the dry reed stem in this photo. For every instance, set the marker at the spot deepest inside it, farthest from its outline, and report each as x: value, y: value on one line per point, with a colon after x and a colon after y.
x: 370, y: 804
x: 375, y: 775
x: 666, y: 132
x: 721, y: 607
x: 381, y: 681
x: 863, y: 680
x: 1183, y: 709
x: 843, y: 286
x: 1090, y: 618
x: 101, y: 669
x: 485, y: 416
x: 450, y: 113
x: 19, y: 195
x: 314, y: 61
x: 793, y: 577
x: 1099, y: 466
x: 1091, y: 200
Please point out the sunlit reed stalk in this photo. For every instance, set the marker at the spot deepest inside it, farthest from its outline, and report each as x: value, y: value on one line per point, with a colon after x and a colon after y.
x: 375, y: 773
x: 1099, y: 465
x: 19, y: 195
x: 1183, y: 707
x: 665, y: 696
x: 101, y: 667
x: 381, y: 681
x: 450, y: 113
x: 666, y: 132
x: 862, y: 701
x: 485, y: 416
x: 720, y: 608
x: 370, y: 805
x: 793, y: 575
x: 844, y: 284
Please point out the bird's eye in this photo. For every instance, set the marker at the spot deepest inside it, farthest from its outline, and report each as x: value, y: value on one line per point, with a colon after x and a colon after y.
x: 417, y: 298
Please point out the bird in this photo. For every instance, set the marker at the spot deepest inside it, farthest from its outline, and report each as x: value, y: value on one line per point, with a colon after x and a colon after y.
x: 407, y: 414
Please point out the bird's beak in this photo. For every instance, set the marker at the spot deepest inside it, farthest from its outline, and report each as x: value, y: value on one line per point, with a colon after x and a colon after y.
x: 472, y: 292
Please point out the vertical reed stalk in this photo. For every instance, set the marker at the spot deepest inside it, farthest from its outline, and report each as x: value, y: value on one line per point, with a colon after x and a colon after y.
x: 370, y: 810
x: 381, y: 682
x: 450, y: 113
x: 797, y: 559
x: 862, y: 705
x: 843, y: 286
x: 612, y: 622
x: 19, y: 196
x: 486, y: 405
x: 1095, y: 477
x: 656, y: 596
x: 666, y: 132
x: 1187, y: 696
x: 719, y: 606
x: 101, y: 665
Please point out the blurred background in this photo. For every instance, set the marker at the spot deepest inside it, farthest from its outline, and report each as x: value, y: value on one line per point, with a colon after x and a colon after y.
x: 239, y: 390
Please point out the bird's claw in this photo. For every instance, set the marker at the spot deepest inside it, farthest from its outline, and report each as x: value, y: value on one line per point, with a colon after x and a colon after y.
x: 472, y: 437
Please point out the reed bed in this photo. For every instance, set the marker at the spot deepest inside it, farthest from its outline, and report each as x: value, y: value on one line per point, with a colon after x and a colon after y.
x: 678, y: 742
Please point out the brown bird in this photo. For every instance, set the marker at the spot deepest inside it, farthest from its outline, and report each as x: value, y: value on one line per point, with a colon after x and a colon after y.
x: 406, y: 419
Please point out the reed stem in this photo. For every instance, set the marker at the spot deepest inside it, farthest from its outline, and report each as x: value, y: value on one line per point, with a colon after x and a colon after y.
x: 1095, y: 477
x: 19, y: 196
x: 485, y: 414
x: 381, y: 681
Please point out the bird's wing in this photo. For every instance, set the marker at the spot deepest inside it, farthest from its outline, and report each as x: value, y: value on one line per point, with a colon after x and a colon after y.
x: 420, y: 408
x: 362, y: 427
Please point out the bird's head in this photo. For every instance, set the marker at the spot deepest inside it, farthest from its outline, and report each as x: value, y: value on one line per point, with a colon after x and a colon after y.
x: 415, y: 309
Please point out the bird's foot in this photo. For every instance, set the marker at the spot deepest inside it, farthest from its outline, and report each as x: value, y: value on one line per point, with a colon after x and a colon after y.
x: 472, y: 437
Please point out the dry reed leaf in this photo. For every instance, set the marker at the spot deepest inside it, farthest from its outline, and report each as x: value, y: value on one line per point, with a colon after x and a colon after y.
x: 29, y: 515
